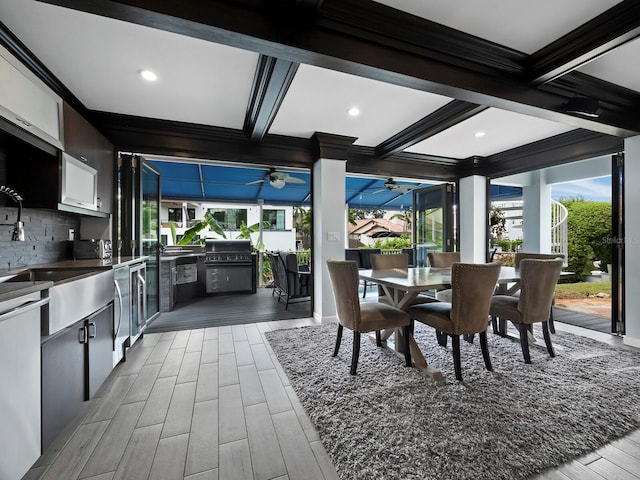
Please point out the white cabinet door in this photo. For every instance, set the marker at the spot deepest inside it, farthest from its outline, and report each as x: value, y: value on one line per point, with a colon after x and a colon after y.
x: 20, y: 440
x: 27, y: 104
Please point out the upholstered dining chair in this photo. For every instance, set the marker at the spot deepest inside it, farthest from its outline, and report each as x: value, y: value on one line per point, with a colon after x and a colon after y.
x: 362, y: 317
x: 539, y: 256
x: 472, y: 286
x: 537, y: 283
x: 394, y: 261
x: 443, y: 260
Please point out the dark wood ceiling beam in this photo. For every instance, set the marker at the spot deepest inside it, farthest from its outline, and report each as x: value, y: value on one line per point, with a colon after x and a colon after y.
x: 613, y: 28
x: 560, y: 149
x: 378, y: 42
x: 270, y: 85
x: 445, y: 117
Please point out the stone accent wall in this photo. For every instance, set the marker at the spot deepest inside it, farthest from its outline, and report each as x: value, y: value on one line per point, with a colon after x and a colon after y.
x: 46, y: 237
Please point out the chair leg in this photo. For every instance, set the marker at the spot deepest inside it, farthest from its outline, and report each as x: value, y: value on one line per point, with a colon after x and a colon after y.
x: 494, y: 324
x: 552, y: 327
x: 502, y: 327
x: 356, y: 352
x: 547, y: 339
x: 406, y: 331
x: 468, y: 337
x: 457, y: 367
x: 524, y: 341
x: 364, y: 289
x: 338, y: 340
x: 378, y: 338
x: 442, y: 338
x: 485, y: 350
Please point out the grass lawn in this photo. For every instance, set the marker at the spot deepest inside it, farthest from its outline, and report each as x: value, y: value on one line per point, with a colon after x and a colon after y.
x: 582, y: 289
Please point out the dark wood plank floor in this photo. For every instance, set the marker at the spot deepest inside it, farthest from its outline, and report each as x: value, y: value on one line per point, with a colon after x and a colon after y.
x: 233, y: 309
x: 584, y: 320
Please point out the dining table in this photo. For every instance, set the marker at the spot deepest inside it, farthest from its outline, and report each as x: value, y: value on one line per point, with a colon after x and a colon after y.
x: 402, y: 285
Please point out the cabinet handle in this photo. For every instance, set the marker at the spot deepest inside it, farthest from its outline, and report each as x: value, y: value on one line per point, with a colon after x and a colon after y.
x: 23, y: 121
x: 82, y: 335
x: 92, y: 325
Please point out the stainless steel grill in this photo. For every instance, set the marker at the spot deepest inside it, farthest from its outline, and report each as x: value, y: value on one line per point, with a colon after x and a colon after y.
x: 230, y: 266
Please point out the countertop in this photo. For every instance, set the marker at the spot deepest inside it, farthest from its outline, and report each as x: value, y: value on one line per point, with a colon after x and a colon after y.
x: 173, y: 256
x: 11, y: 290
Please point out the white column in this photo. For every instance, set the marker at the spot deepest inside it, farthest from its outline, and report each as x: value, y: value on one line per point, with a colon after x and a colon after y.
x: 472, y: 208
x: 632, y: 240
x: 329, y: 231
x: 536, y: 215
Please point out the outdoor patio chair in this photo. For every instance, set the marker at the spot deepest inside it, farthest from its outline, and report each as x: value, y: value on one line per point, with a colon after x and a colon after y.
x: 538, y: 280
x: 362, y: 317
x: 472, y: 286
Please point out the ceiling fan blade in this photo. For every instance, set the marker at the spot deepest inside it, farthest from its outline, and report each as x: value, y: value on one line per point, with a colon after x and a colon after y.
x: 254, y: 182
x: 382, y: 190
x: 294, y: 180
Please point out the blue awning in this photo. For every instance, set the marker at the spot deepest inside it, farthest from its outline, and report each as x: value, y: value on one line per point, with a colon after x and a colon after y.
x: 230, y: 184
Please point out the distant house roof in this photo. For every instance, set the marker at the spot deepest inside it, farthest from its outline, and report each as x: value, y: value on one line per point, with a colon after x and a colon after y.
x: 376, y: 227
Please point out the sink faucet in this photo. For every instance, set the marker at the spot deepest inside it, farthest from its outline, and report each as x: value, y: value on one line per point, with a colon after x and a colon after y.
x: 18, y: 227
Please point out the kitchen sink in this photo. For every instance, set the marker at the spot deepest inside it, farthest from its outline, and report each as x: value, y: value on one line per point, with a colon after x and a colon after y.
x: 75, y: 294
x: 56, y: 276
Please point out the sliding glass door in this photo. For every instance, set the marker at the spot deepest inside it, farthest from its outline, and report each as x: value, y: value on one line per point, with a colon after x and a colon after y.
x: 434, y: 226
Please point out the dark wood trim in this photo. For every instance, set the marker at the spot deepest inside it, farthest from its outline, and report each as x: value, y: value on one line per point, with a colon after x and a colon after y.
x: 328, y: 145
x: 613, y: 28
x: 445, y: 117
x: 378, y: 42
x: 560, y: 149
x: 185, y: 140
x: 270, y: 85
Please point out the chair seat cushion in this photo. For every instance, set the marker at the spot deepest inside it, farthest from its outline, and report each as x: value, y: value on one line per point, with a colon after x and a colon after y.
x: 435, y: 314
x: 506, y: 306
x: 378, y: 316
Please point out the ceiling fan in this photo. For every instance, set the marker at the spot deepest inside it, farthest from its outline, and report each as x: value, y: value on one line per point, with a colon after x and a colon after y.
x: 277, y: 179
x: 392, y: 186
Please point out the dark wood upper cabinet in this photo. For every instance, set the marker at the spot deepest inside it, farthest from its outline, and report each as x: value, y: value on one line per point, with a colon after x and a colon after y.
x: 84, y: 142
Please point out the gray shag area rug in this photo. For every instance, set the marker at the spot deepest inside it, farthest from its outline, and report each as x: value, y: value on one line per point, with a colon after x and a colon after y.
x: 393, y: 422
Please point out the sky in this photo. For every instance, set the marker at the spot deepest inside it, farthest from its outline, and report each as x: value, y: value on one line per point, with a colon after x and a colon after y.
x: 595, y: 189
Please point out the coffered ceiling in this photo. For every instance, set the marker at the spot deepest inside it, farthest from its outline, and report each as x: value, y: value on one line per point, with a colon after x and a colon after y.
x: 443, y: 88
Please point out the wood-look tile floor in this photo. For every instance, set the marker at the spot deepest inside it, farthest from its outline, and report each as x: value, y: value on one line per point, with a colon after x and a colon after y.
x: 214, y: 403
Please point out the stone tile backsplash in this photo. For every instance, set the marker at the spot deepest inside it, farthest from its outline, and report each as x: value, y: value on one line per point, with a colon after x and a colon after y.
x: 46, y: 237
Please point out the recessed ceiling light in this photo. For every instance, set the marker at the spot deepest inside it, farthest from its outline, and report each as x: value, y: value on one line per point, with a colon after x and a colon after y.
x: 353, y: 111
x: 148, y: 75
x: 479, y: 134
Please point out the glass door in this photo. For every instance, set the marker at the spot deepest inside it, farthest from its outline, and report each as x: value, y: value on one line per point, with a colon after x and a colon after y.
x: 434, y: 226
x: 617, y: 244
x: 150, y: 235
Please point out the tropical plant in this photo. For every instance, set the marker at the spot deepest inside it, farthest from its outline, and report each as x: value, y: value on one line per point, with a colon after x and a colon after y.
x: 497, y: 224
x: 395, y: 243
x: 405, y: 217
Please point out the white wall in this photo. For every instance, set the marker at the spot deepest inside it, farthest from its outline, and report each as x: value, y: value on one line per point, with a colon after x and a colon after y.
x: 330, y: 231
x: 273, y: 240
x: 472, y: 200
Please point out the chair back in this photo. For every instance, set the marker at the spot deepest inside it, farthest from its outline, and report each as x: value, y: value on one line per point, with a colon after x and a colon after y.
x: 380, y: 261
x: 410, y: 252
x: 365, y: 256
x: 443, y: 259
x: 536, y: 256
x: 472, y: 287
x: 277, y: 269
x: 352, y: 254
x: 344, y: 283
x: 538, y: 280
